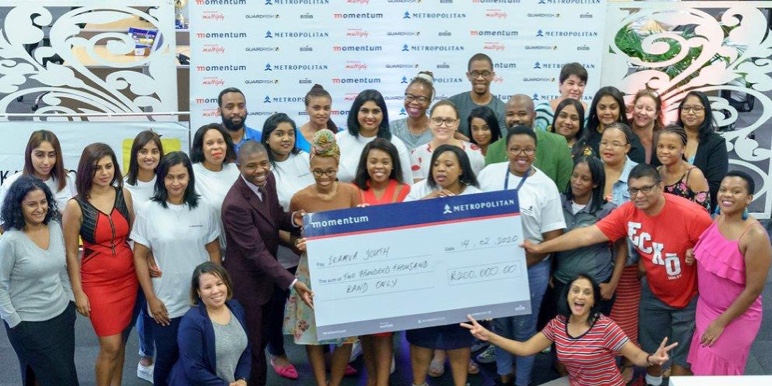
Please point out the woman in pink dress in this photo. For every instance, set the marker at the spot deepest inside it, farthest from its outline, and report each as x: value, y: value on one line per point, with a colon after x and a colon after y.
x: 733, y: 257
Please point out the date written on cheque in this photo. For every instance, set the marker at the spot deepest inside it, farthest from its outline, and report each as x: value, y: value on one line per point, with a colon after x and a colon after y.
x: 482, y: 273
x: 482, y: 243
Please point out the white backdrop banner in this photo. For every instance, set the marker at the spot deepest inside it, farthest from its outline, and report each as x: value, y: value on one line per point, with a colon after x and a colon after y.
x: 74, y: 136
x: 275, y: 50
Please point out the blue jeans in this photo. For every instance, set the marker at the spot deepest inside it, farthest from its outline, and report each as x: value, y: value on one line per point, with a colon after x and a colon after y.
x: 167, y: 352
x: 145, y: 333
x: 522, y: 328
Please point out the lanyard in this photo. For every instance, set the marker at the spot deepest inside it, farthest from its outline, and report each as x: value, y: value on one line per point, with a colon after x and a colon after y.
x: 522, y: 181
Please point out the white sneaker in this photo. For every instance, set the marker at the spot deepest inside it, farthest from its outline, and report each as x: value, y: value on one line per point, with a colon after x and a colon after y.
x: 487, y: 356
x: 356, y: 352
x: 145, y: 372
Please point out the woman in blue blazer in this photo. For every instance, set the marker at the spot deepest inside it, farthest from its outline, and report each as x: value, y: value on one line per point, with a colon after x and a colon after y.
x: 212, y: 337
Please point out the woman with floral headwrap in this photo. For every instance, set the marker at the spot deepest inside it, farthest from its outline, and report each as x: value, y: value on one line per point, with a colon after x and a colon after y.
x: 325, y: 194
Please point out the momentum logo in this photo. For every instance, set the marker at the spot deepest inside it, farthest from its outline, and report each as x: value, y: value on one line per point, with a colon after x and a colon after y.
x: 365, y: 15
x: 221, y: 2
x: 227, y: 67
x: 505, y: 66
x: 221, y: 35
x: 493, y: 33
x: 356, y: 48
x: 356, y: 80
x: 204, y: 101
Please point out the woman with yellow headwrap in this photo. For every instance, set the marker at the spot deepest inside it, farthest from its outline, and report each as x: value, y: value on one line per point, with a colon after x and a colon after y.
x: 325, y: 194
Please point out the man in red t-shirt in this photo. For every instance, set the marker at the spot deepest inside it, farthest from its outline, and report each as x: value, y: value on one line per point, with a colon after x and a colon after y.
x: 662, y: 227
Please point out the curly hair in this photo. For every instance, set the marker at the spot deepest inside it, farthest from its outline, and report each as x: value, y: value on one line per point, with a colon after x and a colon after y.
x: 12, y: 213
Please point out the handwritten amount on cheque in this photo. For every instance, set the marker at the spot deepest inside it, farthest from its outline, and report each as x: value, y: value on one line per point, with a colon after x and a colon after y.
x: 373, y: 270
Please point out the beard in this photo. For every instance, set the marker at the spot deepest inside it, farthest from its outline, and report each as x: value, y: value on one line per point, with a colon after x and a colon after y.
x: 231, y: 126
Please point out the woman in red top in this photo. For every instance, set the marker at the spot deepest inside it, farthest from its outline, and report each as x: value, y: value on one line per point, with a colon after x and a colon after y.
x: 586, y: 341
x: 103, y: 280
x: 379, y: 178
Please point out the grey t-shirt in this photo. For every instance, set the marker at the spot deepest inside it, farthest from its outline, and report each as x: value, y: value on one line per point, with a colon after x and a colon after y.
x: 399, y: 128
x: 465, y: 106
x: 230, y: 343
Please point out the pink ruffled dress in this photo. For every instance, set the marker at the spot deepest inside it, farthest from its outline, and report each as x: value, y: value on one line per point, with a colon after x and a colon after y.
x: 721, y: 279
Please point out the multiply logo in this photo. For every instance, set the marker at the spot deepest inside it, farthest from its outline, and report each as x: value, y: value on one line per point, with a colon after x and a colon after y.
x: 357, y: 33
x: 494, y: 46
x: 497, y: 1
x: 363, y: 2
x: 213, y: 15
x: 212, y: 81
x: 356, y: 65
x: 495, y: 13
x: 297, y: 2
x: 213, y: 49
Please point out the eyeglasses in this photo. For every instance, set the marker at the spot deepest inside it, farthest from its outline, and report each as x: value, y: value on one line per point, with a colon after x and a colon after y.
x: 612, y: 144
x: 644, y: 189
x: 411, y: 97
x: 693, y: 109
x: 328, y: 173
x: 526, y: 151
x: 444, y: 121
x: 484, y: 74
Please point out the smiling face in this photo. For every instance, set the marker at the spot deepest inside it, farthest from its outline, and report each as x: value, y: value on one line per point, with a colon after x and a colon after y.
x: 282, y: 141
x: 318, y: 110
x: 572, y: 87
x: 325, y: 170
x: 581, y: 181
x: 670, y: 148
x: 212, y: 290
x: 521, y: 151
x: 613, y: 147
x: 567, y: 123
x: 480, y: 74
x: 104, y: 171
x: 443, y: 123
x: 645, y: 111
x: 418, y: 97
x: 692, y: 113
x: 608, y: 110
x: 369, y: 117
x: 43, y: 160
x: 379, y: 165
x: 519, y: 112
x: 255, y: 167
x: 581, y: 297
x: 446, y: 170
x: 645, y: 193
x: 175, y: 182
x: 214, y: 148
x: 34, y: 207
x: 148, y: 156
x: 733, y: 195
x: 480, y: 131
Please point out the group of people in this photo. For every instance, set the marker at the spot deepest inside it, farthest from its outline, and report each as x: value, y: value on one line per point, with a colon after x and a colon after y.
x: 204, y: 252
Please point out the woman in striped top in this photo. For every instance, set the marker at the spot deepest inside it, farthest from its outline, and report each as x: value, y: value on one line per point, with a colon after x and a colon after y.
x: 586, y: 340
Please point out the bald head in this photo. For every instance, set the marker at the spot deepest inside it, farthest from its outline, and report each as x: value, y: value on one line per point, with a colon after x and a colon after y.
x: 520, y: 111
x: 248, y: 148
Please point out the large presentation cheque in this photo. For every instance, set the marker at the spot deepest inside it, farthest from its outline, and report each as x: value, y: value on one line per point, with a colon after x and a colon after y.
x: 416, y: 264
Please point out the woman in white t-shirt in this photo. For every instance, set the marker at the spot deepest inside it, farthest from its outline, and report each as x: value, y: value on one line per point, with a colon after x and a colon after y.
x: 181, y: 230
x: 43, y: 160
x: 289, y: 165
x: 450, y: 175
x: 213, y: 156
x: 368, y: 119
x: 146, y: 152
x: 542, y: 219
x: 443, y: 121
